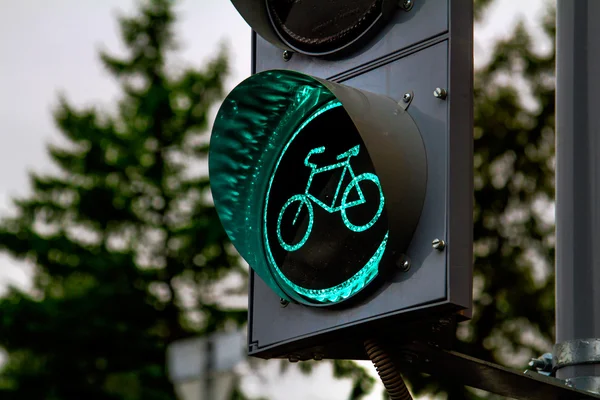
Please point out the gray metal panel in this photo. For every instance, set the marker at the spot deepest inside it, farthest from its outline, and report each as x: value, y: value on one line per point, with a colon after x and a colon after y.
x: 426, y: 281
x: 428, y: 18
x: 577, y: 177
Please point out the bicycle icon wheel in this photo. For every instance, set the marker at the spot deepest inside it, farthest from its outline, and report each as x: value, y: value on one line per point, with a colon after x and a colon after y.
x: 355, y: 182
x: 304, y: 201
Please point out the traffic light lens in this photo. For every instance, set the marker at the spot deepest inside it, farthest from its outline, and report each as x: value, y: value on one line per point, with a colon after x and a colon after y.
x: 313, y: 180
x: 317, y: 26
x: 325, y: 221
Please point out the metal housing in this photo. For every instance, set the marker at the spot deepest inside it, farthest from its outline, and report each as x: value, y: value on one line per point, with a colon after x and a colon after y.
x: 430, y: 46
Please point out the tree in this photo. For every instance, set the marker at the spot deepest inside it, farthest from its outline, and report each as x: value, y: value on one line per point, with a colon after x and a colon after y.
x: 127, y: 247
x: 514, y: 191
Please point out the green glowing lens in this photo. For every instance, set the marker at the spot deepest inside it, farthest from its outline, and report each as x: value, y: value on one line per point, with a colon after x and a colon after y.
x: 295, y: 188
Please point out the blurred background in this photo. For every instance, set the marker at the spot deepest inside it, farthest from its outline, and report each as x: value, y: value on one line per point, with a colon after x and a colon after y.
x: 110, y: 249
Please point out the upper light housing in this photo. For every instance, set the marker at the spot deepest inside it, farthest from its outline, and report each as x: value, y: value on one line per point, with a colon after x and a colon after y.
x: 316, y: 27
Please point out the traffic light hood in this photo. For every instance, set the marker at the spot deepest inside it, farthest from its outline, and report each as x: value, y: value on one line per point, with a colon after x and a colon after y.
x: 315, y: 27
x: 255, y: 127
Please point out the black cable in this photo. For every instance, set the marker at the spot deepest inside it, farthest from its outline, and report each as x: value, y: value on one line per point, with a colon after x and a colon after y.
x: 391, y: 378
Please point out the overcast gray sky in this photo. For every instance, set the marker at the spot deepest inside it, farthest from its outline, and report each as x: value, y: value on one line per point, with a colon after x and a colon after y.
x: 51, y: 46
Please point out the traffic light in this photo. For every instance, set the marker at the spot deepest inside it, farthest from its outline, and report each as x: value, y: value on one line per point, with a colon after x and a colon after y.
x: 342, y: 170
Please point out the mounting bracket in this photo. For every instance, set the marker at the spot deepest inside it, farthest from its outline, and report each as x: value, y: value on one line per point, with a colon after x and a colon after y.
x: 479, y: 374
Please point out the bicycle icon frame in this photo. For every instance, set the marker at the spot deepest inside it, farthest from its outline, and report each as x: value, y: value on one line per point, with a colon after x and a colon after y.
x: 306, y: 197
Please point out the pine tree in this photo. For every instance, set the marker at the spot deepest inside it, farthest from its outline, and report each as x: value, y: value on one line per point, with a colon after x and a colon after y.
x: 127, y: 247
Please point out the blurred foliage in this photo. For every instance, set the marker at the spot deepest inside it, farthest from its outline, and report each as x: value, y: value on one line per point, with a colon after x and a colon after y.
x: 479, y: 8
x: 129, y: 253
x: 362, y: 381
x: 513, y: 226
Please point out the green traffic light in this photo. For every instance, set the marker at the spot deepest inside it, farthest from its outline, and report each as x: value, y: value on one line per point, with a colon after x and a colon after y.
x: 257, y: 179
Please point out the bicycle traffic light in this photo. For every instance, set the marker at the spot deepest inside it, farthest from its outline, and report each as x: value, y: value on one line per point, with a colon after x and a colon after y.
x: 307, y: 171
x: 342, y: 170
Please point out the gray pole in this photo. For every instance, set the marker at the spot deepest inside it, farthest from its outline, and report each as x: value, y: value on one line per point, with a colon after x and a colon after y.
x: 578, y: 193
x: 210, y: 368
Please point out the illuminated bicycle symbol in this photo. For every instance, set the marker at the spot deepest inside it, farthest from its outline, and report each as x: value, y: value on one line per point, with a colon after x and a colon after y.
x: 304, y: 200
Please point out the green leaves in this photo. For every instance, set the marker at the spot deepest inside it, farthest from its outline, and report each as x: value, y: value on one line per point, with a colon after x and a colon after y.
x: 362, y: 381
x: 148, y: 36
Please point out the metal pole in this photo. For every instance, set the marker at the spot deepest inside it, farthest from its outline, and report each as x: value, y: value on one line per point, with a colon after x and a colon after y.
x: 577, y: 350
x: 210, y: 368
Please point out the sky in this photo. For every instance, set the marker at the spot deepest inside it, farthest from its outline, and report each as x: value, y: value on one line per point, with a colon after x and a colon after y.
x: 51, y: 47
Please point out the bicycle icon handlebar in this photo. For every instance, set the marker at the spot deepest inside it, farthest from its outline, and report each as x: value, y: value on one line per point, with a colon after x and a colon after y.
x: 306, y: 199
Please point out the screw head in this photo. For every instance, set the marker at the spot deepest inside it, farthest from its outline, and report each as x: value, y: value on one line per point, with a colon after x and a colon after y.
x: 438, y: 244
x: 409, y: 357
x: 287, y: 55
x: 406, y: 4
x: 317, y: 357
x: 407, y: 97
x: 293, y: 358
x: 403, y: 263
x: 283, y: 303
x: 440, y: 93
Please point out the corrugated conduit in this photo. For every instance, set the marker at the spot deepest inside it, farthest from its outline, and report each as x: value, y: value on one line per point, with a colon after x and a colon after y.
x: 391, y: 378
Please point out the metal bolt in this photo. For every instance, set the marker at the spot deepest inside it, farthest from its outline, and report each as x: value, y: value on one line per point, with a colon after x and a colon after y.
x: 535, y: 363
x: 293, y: 358
x: 403, y: 263
x: 542, y: 364
x: 283, y: 303
x: 440, y: 93
x: 317, y: 357
x: 287, y: 55
x: 406, y: 4
x: 407, y: 97
x: 438, y: 244
x: 568, y: 382
x: 410, y: 357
